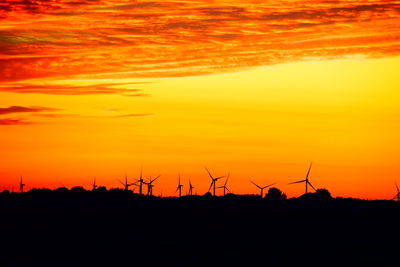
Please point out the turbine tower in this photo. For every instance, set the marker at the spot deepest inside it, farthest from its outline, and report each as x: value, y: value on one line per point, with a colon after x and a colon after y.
x: 213, y: 181
x: 306, y: 181
x: 224, y: 186
x: 191, y: 187
x: 179, y: 187
x: 21, y: 186
x: 262, y: 187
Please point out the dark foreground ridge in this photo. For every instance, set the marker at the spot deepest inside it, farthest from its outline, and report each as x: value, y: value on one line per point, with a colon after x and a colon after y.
x: 118, y: 228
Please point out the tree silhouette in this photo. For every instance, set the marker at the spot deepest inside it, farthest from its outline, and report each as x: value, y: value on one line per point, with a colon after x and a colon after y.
x: 323, y: 193
x: 275, y: 194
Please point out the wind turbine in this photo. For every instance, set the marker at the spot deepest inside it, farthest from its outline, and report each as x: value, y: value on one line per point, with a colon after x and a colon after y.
x: 191, y: 187
x: 397, y: 196
x: 21, y: 186
x: 261, y: 187
x: 213, y: 181
x: 125, y: 184
x: 179, y: 187
x: 306, y: 181
x: 150, y: 185
x: 141, y: 181
x: 94, y: 184
x: 224, y: 186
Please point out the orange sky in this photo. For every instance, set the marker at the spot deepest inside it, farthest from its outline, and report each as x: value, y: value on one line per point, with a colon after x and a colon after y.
x: 260, y: 89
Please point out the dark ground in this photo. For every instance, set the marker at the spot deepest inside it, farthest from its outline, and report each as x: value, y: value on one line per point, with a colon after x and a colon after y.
x: 121, y: 229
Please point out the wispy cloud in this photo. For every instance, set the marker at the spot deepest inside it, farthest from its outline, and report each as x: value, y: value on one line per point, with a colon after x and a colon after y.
x: 146, y: 39
x: 13, y: 122
x: 71, y: 89
x: 20, y: 109
x: 132, y: 115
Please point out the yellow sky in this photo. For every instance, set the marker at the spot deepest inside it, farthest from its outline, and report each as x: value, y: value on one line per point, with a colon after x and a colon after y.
x: 265, y: 124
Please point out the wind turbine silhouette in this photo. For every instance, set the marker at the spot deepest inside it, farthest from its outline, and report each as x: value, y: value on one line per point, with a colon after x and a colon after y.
x: 125, y: 184
x: 191, y: 187
x: 141, y: 181
x: 224, y: 186
x: 179, y: 187
x: 397, y: 196
x: 213, y: 181
x: 21, y: 186
x: 261, y: 187
x: 94, y: 184
x: 306, y: 181
x: 150, y: 185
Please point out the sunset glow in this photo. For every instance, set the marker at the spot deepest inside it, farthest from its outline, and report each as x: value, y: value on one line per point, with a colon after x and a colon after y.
x: 100, y: 88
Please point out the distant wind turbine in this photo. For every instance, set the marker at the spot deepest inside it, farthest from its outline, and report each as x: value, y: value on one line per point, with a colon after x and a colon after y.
x: 397, y: 196
x: 306, y: 181
x: 125, y: 184
x: 262, y: 187
x: 140, y: 181
x: 21, y: 186
x: 191, y: 187
x: 94, y: 184
x: 224, y: 186
x: 213, y: 181
x: 179, y: 187
x: 150, y: 185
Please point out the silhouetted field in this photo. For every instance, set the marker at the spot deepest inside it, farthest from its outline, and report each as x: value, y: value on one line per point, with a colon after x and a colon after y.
x: 119, y: 228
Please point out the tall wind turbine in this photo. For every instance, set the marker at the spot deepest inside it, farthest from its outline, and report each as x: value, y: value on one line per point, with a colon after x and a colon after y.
x: 397, y: 196
x: 150, y: 185
x: 21, y: 186
x: 94, y: 184
x: 306, y: 181
x: 179, y: 187
x: 224, y: 186
x: 262, y: 187
x: 213, y: 181
x: 191, y: 187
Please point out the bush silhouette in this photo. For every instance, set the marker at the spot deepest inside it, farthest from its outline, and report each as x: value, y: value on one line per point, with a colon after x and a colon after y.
x: 274, y: 194
x: 323, y: 193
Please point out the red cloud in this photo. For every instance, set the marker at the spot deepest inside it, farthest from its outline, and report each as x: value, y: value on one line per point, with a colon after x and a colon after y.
x: 19, y: 109
x: 13, y: 122
x: 112, y: 39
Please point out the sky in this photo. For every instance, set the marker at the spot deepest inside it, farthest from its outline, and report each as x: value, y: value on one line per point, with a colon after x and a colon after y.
x: 257, y: 89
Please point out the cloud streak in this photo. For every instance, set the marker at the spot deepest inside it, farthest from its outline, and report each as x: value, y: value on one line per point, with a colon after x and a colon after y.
x: 56, y: 89
x: 20, y: 109
x: 7, y: 122
x: 151, y: 39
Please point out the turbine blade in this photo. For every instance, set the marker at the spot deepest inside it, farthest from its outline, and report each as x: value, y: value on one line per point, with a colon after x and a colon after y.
x: 398, y: 191
x: 209, y: 173
x: 151, y: 181
x: 268, y: 185
x: 309, y: 169
x: 217, y: 178
x: 255, y: 184
x: 227, y: 178
x: 301, y: 181
x: 311, y: 185
x: 212, y: 183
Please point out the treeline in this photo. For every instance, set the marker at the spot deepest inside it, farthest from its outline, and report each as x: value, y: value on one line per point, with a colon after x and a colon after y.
x: 273, y: 193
